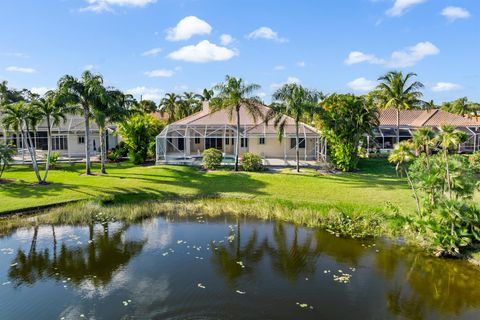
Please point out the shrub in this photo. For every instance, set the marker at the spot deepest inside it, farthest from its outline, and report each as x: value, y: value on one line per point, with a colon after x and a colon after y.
x: 251, y: 162
x: 6, y: 157
x: 212, y: 159
x: 114, y: 155
x: 475, y: 161
x: 54, y: 158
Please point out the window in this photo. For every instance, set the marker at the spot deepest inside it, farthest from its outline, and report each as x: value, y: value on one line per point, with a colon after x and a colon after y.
x: 181, y: 144
x: 301, y: 143
x: 81, y: 140
x: 244, y: 142
x: 197, y: 140
x: 59, y: 143
x: 261, y: 141
x: 216, y: 143
x: 227, y: 140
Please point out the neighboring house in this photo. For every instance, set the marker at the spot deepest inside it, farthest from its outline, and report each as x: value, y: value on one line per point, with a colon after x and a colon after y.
x: 184, y: 141
x: 68, y: 138
x: 385, y: 135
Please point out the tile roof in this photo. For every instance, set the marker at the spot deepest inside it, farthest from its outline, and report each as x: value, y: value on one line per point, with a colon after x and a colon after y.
x: 427, y: 118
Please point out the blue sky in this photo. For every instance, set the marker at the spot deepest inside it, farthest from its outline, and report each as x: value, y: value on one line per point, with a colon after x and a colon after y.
x: 150, y: 47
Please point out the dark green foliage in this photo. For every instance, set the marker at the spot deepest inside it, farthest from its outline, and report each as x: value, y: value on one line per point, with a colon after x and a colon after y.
x: 251, y: 162
x: 212, y: 159
x: 6, y: 157
x: 475, y: 161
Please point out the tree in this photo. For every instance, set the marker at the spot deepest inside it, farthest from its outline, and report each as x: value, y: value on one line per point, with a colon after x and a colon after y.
x: 396, y: 91
x: 145, y: 106
x: 189, y: 104
x: 6, y: 157
x: 234, y: 94
x: 345, y: 119
x: 462, y: 107
x: 53, y: 110
x: 429, y: 105
x: 292, y: 100
x: 83, y: 93
x: 168, y: 105
x: 206, y: 96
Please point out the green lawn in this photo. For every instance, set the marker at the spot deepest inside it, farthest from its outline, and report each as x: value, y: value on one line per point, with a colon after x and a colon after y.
x: 375, y: 184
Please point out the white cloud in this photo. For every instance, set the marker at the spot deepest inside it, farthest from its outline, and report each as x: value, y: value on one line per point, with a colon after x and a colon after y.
x: 266, y: 33
x: 160, y: 73
x: 362, y: 84
x: 279, y: 68
x: 293, y: 80
x: 445, y: 86
x: 407, y: 57
x: 301, y: 64
x: 20, y: 69
x: 40, y: 90
x: 146, y: 93
x: 107, y: 5
x: 226, y: 39
x: 289, y: 80
x: 152, y: 52
x: 187, y: 28
x: 204, y: 51
x: 400, y: 6
x: 89, y: 67
x: 454, y: 13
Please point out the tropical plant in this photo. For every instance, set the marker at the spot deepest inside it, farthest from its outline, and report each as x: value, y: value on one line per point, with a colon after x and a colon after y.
x: 251, y: 162
x: 234, y: 94
x: 168, y: 105
x: 189, y: 104
x: 84, y: 94
x: 53, y: 158
x: 212, y: 159
x: 461, y: 106
x: 145, y: 106
x: 345, y: 119
x: 139, y: 133
x: 474, y: 159
x: 292, y: 101
x: 206, y: 95
x: 429, y: 105
x: 396, y: 91
x: 6, y: 157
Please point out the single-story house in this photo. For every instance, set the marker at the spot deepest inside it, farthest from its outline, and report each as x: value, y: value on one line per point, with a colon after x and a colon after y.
x: 68, y: 138
x: 184, y: 141
x: 385, y: 136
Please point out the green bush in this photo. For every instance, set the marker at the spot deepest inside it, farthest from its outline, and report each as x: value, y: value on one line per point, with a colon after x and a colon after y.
x: 475, y: 161
x: 54, y: 158
x: 251, y: 162
x: 212, y: 159
x: 114, y: 155
x: 6, y: 157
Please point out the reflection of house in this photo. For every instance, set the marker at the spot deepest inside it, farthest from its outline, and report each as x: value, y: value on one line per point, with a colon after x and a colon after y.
x: 68, y: 138
x: 187, y: 138
x: 386, y: 136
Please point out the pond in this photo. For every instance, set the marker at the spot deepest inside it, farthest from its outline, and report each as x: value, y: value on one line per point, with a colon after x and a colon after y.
x: 221, y: 268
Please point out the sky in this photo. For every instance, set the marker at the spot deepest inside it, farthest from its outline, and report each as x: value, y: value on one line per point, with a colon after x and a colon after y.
x: 150, y: 47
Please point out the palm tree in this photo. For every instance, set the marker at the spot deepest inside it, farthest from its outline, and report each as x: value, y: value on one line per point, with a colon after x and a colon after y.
x: 461, y: 106
x: 401, y: 155
x: 397, y: 92
x: 234, y: 94
x: 292, y: 100
x: 206, y: 95
x: 53, y: 111
x: 429, y: 105
x: 83, y: 93
x: 424, y: 140
x: 449, y: 138
x: 111, y: 108
x: 145, y: 106
x: 189, y: 104
x: 168, y: 105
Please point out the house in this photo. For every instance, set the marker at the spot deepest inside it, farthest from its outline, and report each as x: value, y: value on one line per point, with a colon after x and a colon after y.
x: 68, y: 138
x: 185, y: 140
x: 385, y: 135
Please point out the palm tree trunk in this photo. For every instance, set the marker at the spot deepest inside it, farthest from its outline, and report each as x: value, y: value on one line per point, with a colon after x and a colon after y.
x: 398, y: 125
x: 237, y: 147
x: 415, y: 195
x: 103, y: 153
x: 49, y: 151
x: 449, y: 183
x: 87, y: 140
x: 297, y: 149
x: 28, y: 142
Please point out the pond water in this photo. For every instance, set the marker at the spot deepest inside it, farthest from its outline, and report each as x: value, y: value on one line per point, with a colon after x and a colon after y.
x: 202, y: 268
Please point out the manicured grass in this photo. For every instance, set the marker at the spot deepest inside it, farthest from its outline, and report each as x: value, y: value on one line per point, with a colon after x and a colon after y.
x: 369, y: 189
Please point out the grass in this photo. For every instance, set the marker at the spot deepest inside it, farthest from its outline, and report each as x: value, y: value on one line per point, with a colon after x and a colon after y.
x: 368, y: 190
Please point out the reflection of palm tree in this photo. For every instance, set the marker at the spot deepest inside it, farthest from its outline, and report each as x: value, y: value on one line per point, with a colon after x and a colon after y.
x: 97, y: 261
x: 294, y: 259
x: 232, y: 259
x: 343, y: 250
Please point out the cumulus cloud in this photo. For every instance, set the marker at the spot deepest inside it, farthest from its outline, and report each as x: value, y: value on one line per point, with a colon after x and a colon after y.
x: 226, y: 39
x: 455, y: 13
x: 40, y: 90
x: 152, y: 52
x: 266, y: 33
x: 289, y: 80
x: 108, y: 5
x: 401, y: 6
x: 362, y: 84
x: 20, y: 69
x: 204, y: 51
x: 407, y: 57
x: 188, y: 27
x: 445, y: 86
x: 160, y: 73
x: 146, y: 93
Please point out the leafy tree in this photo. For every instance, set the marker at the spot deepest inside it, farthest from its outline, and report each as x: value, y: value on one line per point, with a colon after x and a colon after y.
x: 6, y: 157
x: 345, y: 119
x: 462, y: 107
x: 139, y: 133
x: 145, y: 106
x: 234, y: 94
x: 206, y: 95
x: 293, y: 100
x: 429, y: 105
x: 396, y: 91
x: 168, y: 105
x: 85, y: 94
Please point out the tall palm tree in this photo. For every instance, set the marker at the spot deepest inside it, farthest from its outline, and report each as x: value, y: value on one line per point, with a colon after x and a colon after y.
x: 168, y: 105
x: 424, y: 140
x: 461, y: 106
x: 53, y: 111
x: 189, y: 104
x: 292, y: 100
x: 145, y: 106
x: 113, y: 107
x: 234, y: 94
x: 429, y: 105
x: 397, y: 92
x: 83, y: 93
x: 449, y: 138
x: 206, y: 95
